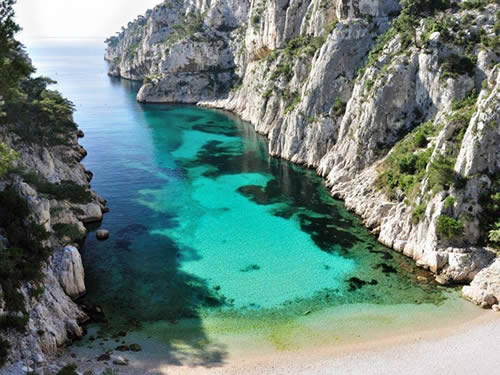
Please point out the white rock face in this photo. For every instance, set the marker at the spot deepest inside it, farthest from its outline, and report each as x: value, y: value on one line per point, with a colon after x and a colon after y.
x: 296, y: 76
x: 53, y: 316
x: 71, y: 274
x: 357, y: 8
x: 480, y: 151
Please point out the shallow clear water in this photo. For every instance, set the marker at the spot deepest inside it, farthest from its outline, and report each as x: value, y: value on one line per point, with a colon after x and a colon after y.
x: 203, y: 222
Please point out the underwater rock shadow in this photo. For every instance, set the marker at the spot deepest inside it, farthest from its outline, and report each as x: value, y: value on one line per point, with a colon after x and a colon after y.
x: 139, y: 287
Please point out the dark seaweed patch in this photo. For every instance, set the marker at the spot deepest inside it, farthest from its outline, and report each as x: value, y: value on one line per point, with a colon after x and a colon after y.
x: 191, y: 118
x: 355, y: 283
x: 285, y: 212
x: 256, y: 194
x: 385, y: 254
x: 213, y: 128
x: 386, y: 268
x: 123, y: 244
x: 225, y: 161
x: 325, y: 235
x: 251, y: 267
x: 133, y: 229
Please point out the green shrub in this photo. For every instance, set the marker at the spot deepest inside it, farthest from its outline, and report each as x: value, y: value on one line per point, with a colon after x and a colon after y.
x: 449, y: 228
x: 339, y: 107
x: 36, y: 292
x: 39, y: 115
x: 283, y: 69
x: 131, y: 51
x: 292, y: 98
x: 454, y: 66
x: 474, y: 4
x: 24, y: 258
x: 418, y: 213
x: 268, y: 93
x: 67, y: 230
x: 404, y: 168
x: 494, y: 235
x: 256, y: 20
x: 7, y: 157
x: 330, y: 26
x: 14, y: 66
x: 449, y: 202
x: 15, y: 322
x: 421, y: 7
x: 489, y: 218
x: 66, y: 190
x: 404, y: 26
x: 408, y: 164
x: 464, y: 109
x: 441, y: 173
x: 36, y: 114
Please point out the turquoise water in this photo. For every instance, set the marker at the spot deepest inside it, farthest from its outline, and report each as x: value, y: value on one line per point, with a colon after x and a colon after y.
x: 203, y: 221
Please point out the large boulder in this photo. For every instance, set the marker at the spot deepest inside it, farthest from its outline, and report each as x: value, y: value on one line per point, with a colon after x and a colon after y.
x: 91, y: 212
x: 484, y: 290
x: 71, y: 273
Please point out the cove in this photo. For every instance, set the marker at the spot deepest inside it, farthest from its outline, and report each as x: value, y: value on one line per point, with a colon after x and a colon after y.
x: 210, y: 236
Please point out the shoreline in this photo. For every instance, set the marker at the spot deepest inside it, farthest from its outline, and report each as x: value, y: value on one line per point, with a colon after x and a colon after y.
x: 457, y: 349
x: 410, y: 328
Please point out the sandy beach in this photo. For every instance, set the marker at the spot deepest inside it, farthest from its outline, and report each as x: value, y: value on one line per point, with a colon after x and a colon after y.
x: 473, y: 349
x: 457, y: 339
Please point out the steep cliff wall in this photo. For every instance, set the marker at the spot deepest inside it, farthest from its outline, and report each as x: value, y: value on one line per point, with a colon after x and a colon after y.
x: 53, y: 187
x: 45, y: 199
x: 396, y: 104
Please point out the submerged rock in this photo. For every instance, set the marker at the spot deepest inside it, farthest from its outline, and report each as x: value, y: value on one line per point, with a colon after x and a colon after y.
x: 102, y: 234
x: 251, y: 267
x: 135, y: 347
x: 103, y: 357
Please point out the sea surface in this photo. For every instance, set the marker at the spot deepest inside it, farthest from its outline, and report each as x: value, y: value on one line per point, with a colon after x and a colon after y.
x: 206, y: 227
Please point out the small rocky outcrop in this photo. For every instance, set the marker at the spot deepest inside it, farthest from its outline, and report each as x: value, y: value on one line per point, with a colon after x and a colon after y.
x: 484, y: 290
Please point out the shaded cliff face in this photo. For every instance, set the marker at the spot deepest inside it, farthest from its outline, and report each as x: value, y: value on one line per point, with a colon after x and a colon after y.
x: 397, y: 105
x: 45, y: 199
x: 45, y: 316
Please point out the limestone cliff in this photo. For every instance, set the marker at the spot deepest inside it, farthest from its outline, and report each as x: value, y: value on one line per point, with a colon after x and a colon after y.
x: 396, y: 104
x: 47, y: 193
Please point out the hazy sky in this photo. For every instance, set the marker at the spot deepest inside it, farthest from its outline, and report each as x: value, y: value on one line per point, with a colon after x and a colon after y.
x: 77, y: 18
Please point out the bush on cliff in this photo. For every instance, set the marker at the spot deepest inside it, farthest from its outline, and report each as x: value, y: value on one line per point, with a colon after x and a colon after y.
x: 404, y: 168
x: 490, y: 215
x: 65, y: 190
x: 449, y: 228
x: 23, y: 260
x: 14, y: 66
x: 27, y: 107
x: 7, y: 157
x: 39, y: 115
